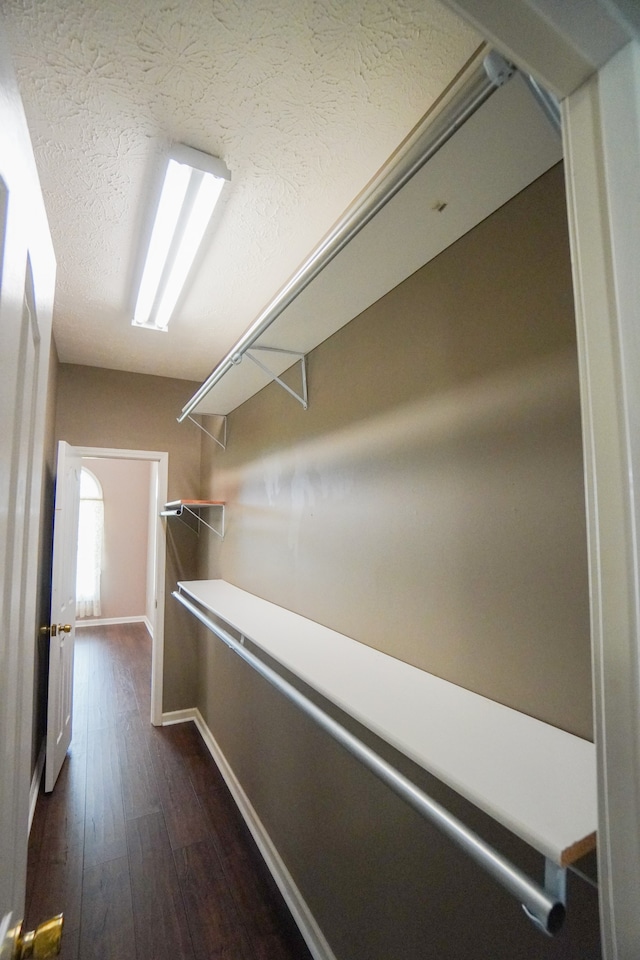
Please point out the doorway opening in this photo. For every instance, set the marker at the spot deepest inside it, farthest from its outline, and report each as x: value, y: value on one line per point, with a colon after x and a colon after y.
x: 118, y: 464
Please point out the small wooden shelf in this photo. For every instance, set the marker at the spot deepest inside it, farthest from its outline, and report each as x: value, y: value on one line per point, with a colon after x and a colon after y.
x: 533, y: 778
x: 176, y: 508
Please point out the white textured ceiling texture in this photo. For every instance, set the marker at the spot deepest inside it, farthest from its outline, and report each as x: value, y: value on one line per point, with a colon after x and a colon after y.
x: 304, y: 101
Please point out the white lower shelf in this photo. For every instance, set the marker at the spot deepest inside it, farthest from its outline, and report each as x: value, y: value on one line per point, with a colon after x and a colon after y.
x: 535, y: 779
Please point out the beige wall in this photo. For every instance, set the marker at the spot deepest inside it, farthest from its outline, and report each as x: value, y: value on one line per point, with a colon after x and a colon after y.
x: 429, y: 503
x: 111, y: 408
x: 125, y: 489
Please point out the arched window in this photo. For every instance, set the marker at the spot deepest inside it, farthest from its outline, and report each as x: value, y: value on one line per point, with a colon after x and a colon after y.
x: 90, y: 537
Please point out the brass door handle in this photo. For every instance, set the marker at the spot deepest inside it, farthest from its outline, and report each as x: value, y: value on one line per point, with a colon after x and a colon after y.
x: 55, y: 629
x: 41, y: 944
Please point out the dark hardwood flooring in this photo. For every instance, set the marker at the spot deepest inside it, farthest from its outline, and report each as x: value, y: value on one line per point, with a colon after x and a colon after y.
x: 140, y: 844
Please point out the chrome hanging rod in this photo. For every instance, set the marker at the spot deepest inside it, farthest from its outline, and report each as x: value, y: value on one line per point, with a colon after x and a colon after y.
x: 411, y: 157
x: 544, y: 908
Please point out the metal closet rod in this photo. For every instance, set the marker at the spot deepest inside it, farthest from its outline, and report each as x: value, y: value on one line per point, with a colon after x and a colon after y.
x: 545, y: 910
x: 411, y: 157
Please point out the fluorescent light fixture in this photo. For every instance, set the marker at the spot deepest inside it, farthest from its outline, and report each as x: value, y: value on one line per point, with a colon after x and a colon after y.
x: 192, y: 185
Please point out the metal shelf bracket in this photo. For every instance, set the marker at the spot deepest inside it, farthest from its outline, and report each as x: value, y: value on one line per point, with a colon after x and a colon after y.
x: 555, y: 884
x: 179, y: 512
x: 221, y: 443
x: 555, y: 880
x: 302, y: 397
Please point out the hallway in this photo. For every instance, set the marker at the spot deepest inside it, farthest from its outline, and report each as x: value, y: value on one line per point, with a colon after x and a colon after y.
x: 140, y: 844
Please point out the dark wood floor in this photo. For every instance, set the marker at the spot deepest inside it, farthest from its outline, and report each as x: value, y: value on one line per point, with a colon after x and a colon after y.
x: 140, y: 844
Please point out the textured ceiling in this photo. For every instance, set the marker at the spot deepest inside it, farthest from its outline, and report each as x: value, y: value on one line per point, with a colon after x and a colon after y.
x: 303, y: 100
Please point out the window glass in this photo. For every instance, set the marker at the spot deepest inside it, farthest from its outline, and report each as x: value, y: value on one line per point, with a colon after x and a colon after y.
x: 90, y: 541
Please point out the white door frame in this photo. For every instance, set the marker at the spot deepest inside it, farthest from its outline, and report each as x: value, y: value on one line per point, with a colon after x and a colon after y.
x: 602, y: 149
x: 161, y: 462
x: 588, y: 53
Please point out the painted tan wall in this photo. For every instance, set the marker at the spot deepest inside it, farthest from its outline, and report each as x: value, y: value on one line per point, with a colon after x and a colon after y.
x: 111, y: 408
x: 125, y: 488
x: 429, y: 503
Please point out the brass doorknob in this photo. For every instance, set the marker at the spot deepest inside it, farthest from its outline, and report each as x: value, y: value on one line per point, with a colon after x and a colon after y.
x: 55, y: 629
x: 41, y: 944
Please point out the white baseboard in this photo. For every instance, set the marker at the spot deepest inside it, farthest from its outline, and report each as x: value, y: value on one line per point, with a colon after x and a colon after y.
x: 105, y: 621
x: 300, y: 911
x: 34, y: 790
x: 178, y: 716
x: 313, y: 936
x: 147, y: 624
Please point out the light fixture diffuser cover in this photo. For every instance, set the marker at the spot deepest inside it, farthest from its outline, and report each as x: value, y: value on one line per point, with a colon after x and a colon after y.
x: 191, y: 189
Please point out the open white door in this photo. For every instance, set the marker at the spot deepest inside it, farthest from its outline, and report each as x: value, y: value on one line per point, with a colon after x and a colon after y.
x: 27, y: 276
x: 63, y: 611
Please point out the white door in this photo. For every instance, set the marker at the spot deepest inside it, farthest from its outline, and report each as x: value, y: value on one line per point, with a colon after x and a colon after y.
x: 27, y: 275
x: 63, y: 611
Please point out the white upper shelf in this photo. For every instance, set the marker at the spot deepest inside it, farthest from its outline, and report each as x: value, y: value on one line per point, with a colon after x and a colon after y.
x: 498, y: 152
x: 535, y: 779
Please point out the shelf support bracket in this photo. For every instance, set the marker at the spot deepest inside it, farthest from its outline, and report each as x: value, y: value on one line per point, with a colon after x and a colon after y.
x: 221, y: 443
x: 555, y: 880
x: 301, y: 397
x: 179, y: 512
x: 555, y: 884
x: 218, y: 532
